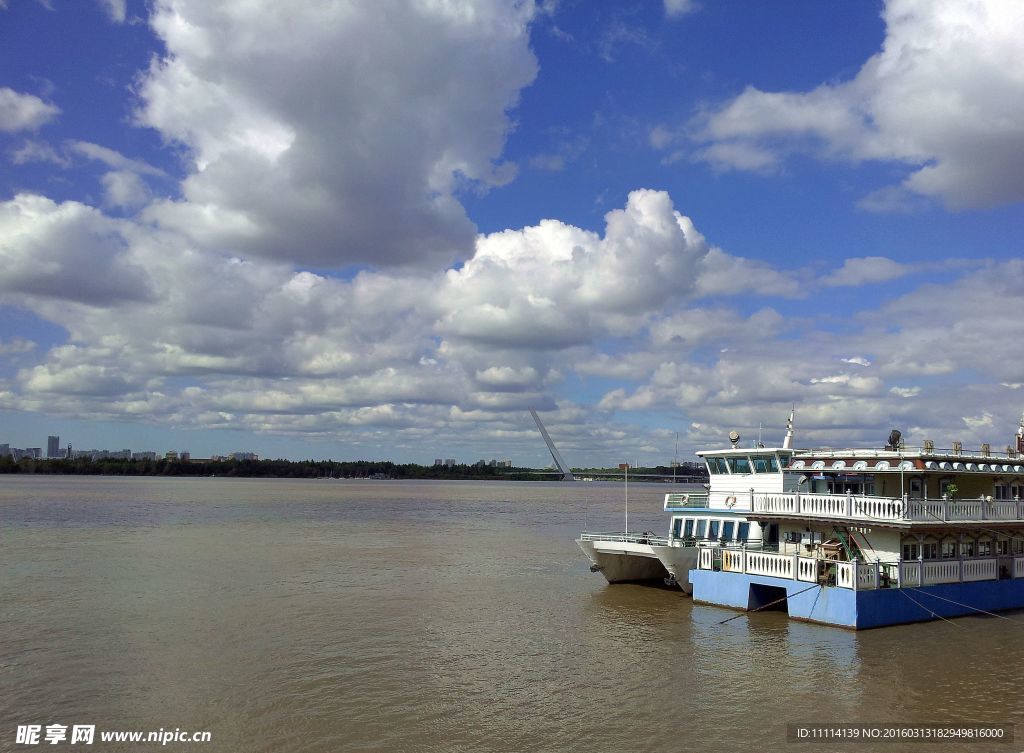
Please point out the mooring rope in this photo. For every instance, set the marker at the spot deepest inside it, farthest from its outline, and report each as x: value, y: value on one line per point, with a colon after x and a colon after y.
x: 769, y: 604
x: 966, y: 606
x: 933, y: 614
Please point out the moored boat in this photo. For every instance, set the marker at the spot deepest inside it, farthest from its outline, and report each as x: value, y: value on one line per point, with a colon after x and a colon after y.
x: 858, y: 538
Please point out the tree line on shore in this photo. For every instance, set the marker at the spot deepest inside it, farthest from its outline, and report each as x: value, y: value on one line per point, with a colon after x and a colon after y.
x: 232, y: 468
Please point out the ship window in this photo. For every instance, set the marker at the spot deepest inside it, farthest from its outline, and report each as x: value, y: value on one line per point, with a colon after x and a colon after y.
x: 949, y: 549
x: 744, y: 532
x: 760, y: 464
x: 773, y: 464
x: 717, y: 465
x: 915, y: 488
x: 739, y: 465
x: 702, y: 526
x: 677, y: 526
x: 984, y: 548
x: 1002, y: 547
x: 910, y: 551
x: 969, y: 548
x: 727, y: 530
x: 1002, y: 491
x: 688, y: 529
x: 930, y: 550
x: 713, y: 529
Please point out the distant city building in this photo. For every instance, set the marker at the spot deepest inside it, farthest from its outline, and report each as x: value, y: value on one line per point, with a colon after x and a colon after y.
x: 143, y: 456
x: 52, y: 447
x: 185, y: 455
x: 244, y: 456
x: 171, y: 455
x: 5, y: 449
x: 34, y: 452
x: 438, y: 461
x: 449, y: 462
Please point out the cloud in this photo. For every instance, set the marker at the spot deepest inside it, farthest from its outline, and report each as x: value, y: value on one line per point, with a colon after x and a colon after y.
x: 24, y: 112
x: 305, y: 149
x: 113, y: 159
x: 16, y: 346
x: 866, y: 270
x: 162, y: 330
x: 38, y: 151
x: 680, y: 8
x: 124, y: 189
x: 573, y: 285
x: 944, y: 97
x: 67, y: 252
x: 116, y: 10
x: 722, y: 274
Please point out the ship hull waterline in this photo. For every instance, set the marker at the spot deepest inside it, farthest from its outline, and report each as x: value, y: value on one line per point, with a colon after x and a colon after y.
x: 629, y: 562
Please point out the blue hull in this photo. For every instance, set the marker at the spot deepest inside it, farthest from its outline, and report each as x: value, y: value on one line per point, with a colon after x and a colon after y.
x: 858, y: 610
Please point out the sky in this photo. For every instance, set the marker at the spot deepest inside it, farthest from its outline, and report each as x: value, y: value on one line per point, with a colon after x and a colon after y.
x: 385, y: 230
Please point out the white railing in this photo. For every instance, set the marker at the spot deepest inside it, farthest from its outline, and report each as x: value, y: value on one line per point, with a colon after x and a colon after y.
x: 775, y: 565
x: 855, y: 575
x: 807, y: 569
x: 844, y: 574
x: 733, y: 560
x: 625, y: 538
x: 947, y: 571
x: 909, y: 573
x: 905, y: 451
x: 888, y: 509
x: 867, y: 576
x: 979, y: 570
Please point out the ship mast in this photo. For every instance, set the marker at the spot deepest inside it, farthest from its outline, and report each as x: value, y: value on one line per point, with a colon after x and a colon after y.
x: 787, y: 443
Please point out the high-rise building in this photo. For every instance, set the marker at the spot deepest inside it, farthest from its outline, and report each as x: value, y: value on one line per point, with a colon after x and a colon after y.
x: 52, y: 446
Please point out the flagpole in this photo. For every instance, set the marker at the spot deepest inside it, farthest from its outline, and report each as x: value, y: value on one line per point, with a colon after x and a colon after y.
x: 624, y: 467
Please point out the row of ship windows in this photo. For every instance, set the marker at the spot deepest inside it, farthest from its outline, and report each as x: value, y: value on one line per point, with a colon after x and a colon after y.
x: 951, y: 549
x: 702, y: 528
x: 752, y: 464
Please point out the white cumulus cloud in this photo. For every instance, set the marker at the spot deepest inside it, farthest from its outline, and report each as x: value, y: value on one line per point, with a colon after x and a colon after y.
x: 305, y: 148
x: 944, y: 97
x: 24, y: 112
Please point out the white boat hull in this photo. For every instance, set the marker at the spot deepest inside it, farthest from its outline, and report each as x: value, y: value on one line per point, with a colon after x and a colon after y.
x: 623, y: 561
x: 678, y: 561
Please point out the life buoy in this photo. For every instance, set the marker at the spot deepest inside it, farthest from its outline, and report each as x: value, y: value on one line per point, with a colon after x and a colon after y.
x: 730, y: 501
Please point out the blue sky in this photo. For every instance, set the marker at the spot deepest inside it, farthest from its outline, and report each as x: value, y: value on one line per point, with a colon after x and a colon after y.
x: 385, y: 230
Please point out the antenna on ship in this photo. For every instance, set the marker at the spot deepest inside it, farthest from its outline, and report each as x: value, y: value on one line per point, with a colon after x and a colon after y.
x: 787, y: 443
x: 675, y: 458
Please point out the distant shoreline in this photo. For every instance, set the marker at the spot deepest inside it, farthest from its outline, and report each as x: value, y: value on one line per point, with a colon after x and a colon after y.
x: 305, y: 469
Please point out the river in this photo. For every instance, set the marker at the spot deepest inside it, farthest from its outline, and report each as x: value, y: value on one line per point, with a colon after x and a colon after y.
x: 284, y: 615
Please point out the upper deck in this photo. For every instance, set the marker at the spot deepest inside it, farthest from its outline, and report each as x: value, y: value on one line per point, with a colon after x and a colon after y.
x: 905, y: 487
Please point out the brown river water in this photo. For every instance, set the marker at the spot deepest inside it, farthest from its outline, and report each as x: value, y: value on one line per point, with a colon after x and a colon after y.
x: 428, y: 616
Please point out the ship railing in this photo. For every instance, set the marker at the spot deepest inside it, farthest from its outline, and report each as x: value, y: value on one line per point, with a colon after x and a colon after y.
x: 678, y: 501
x: 888, y: 509
x: 860, y: 576
x: 625, y: 538
x: 917, y: 450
